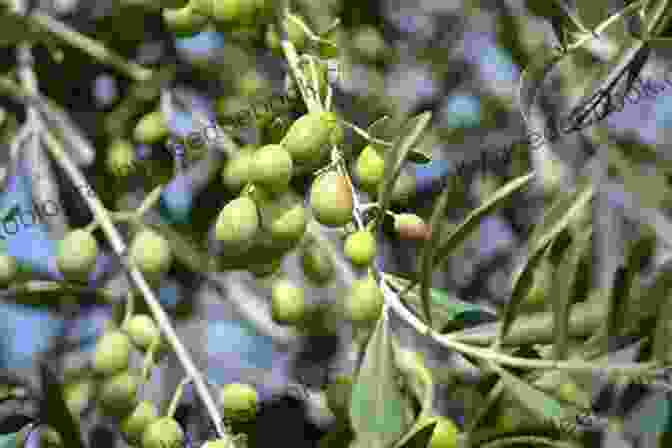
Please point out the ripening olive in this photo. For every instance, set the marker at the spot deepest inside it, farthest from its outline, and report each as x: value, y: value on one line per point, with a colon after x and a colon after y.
x: 112, y: 353
x: 410, y: 226
x: 331, y: 199
x: 76, y: 255
x: 237, y: 224
x: 271, y: 168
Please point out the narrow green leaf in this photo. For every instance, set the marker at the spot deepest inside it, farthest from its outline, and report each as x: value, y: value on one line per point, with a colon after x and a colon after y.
x: 538, y: 403
x: 564, y: 279
x: 394, y: 159
x: 383, y: 129
x: 560, y: 215
x: 493, y: 397
x: 377, y: 411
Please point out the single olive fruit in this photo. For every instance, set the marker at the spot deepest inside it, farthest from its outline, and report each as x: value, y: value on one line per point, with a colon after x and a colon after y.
x: 338, y: 395
x: 151, y: 253
x: 370, y: 169
x: 239, y: 402
x: 331, y: 200
x: 364, y: 301
x: 142, y: 330
x: 284, y: 217
x: 369, y: 43
x: 317, y: 264
x: 112, y: 352
x: 76, y: 255
x: 184, y: 22
x: 8, y: 269
x: 410, y: 226
x: 162, y: 433
x: 272, y: 168
x: 121, y: 158
x: 117, y: 396
x: 444, y: 434
x: 288, y: 303
x: 237, y: 224
x: 308, y: 135
x: 360, y: 248
x: 77, y: 395
x: 133, y: 425
x: 236, y: 170
x: 151, y: 128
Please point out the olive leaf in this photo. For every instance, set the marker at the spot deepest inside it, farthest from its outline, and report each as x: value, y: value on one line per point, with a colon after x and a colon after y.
x: 377, y: 409
x: 536, y: 441
x: 386, y: 129
x: 559, y: 216
x: 395, y: 158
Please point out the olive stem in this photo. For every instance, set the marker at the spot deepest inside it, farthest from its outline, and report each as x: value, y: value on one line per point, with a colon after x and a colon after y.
x: 128, y: 311
x: 115, y: 217
x: 150, y: 200
x: 177, y: 396
x: 148, y: 361
x: 137, y: 279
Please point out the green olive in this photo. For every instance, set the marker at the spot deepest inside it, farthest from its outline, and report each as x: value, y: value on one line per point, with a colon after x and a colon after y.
x: 76, y: 255
x: 444, y: 434
x: 112, y: 353
x: 288, y: 303
x: 239, y: 402
x: 306, y: 138
x: 142, y: 330
x: 236, y: 171
x: 331, y: 199
x: 237, y: 224
x: 370, y: 169
x: 151, y: 128
x: 369, y: 43
x: 133, y: 425
x: 317, y: 264
x: 364, y: 301
x: 271, y: 168
x: 117, y: 396
x: 184, y: 22
x: 360, y: 248
x: 162, y: 433
x: 151, y: 253
x: 284, y: 217
x: 121, y: 158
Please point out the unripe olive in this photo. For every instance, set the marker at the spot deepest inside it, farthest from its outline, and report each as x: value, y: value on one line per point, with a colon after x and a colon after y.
x: 133, y: 425
x: 410, y: 226
x: 364, y: 301
x: 331, y: 199
x: 121, y: 158
x: 444, y: 434
x: 284, y: 217
x: 112, y: 352
x: 272, y: 168
x: 360, y: 248
x: 151, y: 253
x: 370, y: 169
x: 239, y: 402
x: 151, y: 128
x: 369, y: 43
x: 8, y: 269
x: 162, y: 433
x: 76, y: 255
x: 236, y: 171
x: 308, y: 135
x: 237, y: 224
x: 117, y: 396
x: 142, y: 330
x: 76, y: 396
x: 288, y: 303
x: 184, y: 22
x: 338, y: 395
x: 317, y: 264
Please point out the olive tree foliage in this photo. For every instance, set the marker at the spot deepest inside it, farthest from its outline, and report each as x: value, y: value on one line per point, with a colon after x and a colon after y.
x: 297, y: 195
